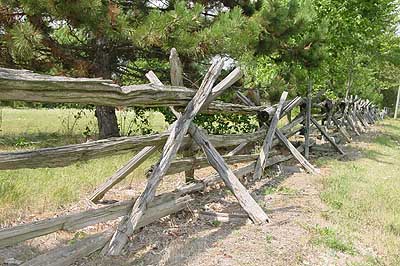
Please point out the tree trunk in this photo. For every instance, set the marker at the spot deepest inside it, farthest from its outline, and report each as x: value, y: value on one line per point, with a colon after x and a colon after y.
x: 106, y: 117
x: 107, y: 122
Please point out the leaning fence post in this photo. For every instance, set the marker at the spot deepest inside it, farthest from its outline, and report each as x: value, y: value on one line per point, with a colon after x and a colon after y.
x: 261, y: 162
x: 397, y: 103
x: 308, y: 121
x: 326, y: 135
x: 177, y: 80
x: 303, y: 161
x: 246, y: 201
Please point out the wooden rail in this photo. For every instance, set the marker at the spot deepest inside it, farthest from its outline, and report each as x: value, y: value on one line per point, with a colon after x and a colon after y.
x: 24, y: 85
x: 69, y: 154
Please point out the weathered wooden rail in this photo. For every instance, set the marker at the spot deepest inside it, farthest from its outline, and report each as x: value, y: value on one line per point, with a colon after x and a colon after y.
x: 354, y: 115
x: 69, y: 154
x: 23, y: 85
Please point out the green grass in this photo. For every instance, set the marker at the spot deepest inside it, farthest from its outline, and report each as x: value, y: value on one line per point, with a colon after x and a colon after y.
x: 330, y: 238
x: 39, y: 128
x: 280, y: 189
x: 216, y: 223
x: 364, y: 194
x: 34, y: 191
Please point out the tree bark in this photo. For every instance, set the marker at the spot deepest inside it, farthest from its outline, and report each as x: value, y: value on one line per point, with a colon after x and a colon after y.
x: 107, y: 122
x: 106, y: 117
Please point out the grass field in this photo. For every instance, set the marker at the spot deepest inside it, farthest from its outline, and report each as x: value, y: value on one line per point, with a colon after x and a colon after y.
x: 364, y: 195
x: 32, y: 191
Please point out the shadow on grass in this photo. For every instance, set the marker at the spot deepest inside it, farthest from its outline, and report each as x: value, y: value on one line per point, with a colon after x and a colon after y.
x: 37, y: 140
x: 353, y: 153
x: 391, y: 126
x: 388, y: 140
x: 375, y: 156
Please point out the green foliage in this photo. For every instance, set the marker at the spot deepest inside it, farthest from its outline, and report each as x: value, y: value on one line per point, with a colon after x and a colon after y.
x: 360, y: 46
x: 139, y: 121
x: 24, y: 41
x: 289, y: 46
x: 134, y: 71
x: 69, y: 122
x: 287, y: 34
x: 74, y: 33
x: 165, y: 29
x: 280, y: 189
x: 216, y: 223
x: 77, y: 236
x: 219, y: 124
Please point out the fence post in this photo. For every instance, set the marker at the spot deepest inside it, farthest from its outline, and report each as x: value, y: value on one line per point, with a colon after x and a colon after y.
x: 397, y: 103
x: 177, y: 80
x: 262, y: 159
x: 308, y: 121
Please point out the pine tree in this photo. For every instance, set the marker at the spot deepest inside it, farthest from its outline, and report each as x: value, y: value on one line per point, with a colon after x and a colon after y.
x: 109, y: 39
x: 123, y: 40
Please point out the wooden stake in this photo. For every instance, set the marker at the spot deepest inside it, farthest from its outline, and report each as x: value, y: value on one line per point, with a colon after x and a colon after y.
x: 176, y: 68
x: 307, y: 122
x: 362, y: 120
x: 238, y: 149
x: 326, y: 135
x: 303, y: 161
x: 260, y: 166
x: 123, y: 172
x: 177, y: 80
x: 341, y: 129
x: 244, y: 99
x: 351, y: 124
x: 216, y: 160
x: 397, y: 104
x: 291, y: 105
x: 256, y: 214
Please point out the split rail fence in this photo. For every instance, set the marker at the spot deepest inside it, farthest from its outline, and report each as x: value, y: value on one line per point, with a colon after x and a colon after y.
x: 344, y: 119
